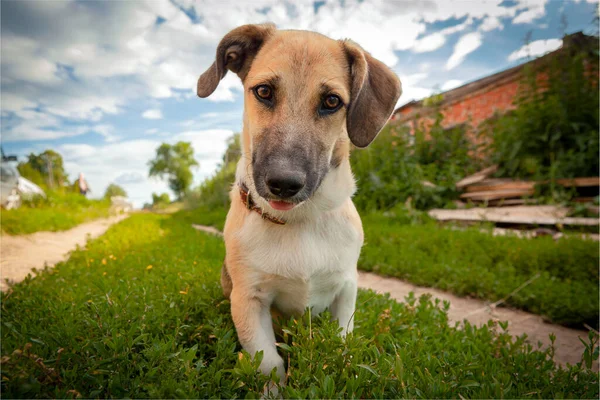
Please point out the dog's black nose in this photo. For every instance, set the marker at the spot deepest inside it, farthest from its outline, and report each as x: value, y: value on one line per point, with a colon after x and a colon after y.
x: 285, y: 185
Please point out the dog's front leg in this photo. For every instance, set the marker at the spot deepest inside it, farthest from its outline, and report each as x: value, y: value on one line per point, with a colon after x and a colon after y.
x: 252, y: 319
x: 343, y: 306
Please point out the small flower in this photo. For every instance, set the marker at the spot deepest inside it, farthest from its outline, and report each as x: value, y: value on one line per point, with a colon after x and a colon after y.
x: 104, y: 261
x: 104, y: 273
x: 149, y: 267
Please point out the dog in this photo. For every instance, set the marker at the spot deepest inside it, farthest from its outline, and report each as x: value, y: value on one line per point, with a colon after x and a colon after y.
x: 292, y: 234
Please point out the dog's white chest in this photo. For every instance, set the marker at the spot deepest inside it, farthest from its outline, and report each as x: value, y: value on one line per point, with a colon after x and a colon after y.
x: 294, y: 296
x: 300, y: 252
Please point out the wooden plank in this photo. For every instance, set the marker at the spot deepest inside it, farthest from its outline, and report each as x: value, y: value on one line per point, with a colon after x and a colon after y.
x: 584, y: 199
x: 505, y: 215
x: 510, y: 202
x: 579, y: 182
x: 497, y: 194
x: 514, y: 185
x: 477, y: 177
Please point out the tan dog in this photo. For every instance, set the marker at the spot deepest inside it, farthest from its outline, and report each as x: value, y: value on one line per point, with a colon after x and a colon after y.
x: 293, y: 235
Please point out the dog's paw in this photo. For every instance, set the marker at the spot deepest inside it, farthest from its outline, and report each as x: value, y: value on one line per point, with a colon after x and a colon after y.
x: 271, y: 390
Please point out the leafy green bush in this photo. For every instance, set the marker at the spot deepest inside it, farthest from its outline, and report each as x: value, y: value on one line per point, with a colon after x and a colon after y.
x: 474, y: 263
x: 553, y: 132
x: 134, y: 316
x: 214, y: 191
x: 59, y: 210
x: 114, y: 190
x: 400, y: 165
x: 160, y: 200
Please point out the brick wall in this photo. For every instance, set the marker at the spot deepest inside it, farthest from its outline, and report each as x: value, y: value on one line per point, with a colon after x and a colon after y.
x: 473, y: 108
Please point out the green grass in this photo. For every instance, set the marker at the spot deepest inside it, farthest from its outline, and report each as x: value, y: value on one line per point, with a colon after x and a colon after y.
x: 474, y: 263
x: 58, y: 212
x: 203, y: 215
x: 140, y: 313
x: 410, y: 246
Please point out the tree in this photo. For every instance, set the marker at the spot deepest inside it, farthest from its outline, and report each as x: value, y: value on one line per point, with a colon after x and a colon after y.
x: 158, y: 200
x: 174, y: 162
x: 46, y: 168
x: 114, y: 190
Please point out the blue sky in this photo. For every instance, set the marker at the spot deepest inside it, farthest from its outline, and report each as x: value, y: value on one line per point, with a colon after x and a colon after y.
x: 104, y: 83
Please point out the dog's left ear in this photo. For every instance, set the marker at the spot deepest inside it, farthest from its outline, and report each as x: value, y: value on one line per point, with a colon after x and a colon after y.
x: 235, y: 53
x: 375, y: 89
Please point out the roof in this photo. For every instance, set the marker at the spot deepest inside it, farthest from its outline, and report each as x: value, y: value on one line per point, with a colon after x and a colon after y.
x: 577, y: 39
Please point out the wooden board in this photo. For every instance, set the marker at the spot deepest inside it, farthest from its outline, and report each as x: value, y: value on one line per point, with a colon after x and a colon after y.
x: 514, y: 185
x: 477, y: 177
x: 511, y: 202
x: 497, y: 194
x: 530, y: 215
x: 579, y: 182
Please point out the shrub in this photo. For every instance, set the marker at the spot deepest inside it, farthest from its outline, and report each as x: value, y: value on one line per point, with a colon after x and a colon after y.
x: 553, y: 131
x: 400, y: 166
x: 161, y: 200
x: 214, y: 191
x: 114, y: 190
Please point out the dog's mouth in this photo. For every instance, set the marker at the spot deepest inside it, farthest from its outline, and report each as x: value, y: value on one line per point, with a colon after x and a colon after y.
x: 282, y: 205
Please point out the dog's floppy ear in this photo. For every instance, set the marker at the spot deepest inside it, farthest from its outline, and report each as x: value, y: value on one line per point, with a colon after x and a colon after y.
x: 375, y: 89
x: 235, y: 53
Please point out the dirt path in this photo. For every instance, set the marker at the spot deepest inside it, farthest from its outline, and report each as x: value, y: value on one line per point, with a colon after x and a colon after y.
x: 568, y: 347
x: 19, y: 254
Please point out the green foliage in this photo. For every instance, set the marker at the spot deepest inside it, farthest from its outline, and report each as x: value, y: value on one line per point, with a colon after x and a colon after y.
x: 477, y: 264
x: 160, y: 200
x: 174, y: 162
x: 115, y: 190
x: 553, y: 132
x: 134, y: 316
x: 214, y: 191
x: 59, y: 210
x: 398, y: 164
x: 37, y: 168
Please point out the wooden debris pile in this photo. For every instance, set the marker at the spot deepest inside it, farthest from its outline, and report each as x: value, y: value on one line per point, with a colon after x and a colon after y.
x: 480, y: 188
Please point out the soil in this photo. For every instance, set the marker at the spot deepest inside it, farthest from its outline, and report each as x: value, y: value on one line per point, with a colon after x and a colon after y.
x: 20, y: 254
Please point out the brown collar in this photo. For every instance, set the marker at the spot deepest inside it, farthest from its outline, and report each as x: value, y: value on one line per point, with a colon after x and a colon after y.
x: 251, y: 205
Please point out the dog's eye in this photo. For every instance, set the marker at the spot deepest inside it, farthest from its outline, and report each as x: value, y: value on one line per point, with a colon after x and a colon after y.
x: 263, y: 92
x: 330, y: 104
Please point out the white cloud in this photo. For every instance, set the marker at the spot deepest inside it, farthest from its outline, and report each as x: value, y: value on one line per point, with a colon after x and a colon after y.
x: 535, y: 49
x: 100, y: 58
x: 152, y: 114
x: 531, y: 10
x: 414, y: 87
x: 490, y: 24
x: 451, y: 84
x: 127, y: 162
x: 465, y: 45
x: 429, y: 43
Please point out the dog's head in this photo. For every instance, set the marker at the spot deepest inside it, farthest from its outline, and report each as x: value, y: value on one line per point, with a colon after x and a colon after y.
x: 305, y: 96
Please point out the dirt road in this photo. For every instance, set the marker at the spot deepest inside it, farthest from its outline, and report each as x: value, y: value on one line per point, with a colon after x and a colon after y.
x: 20, y: 254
